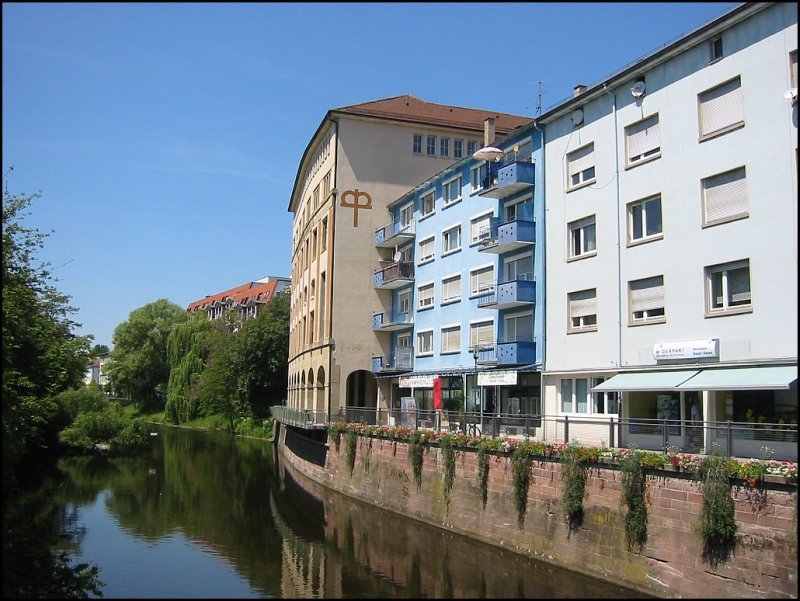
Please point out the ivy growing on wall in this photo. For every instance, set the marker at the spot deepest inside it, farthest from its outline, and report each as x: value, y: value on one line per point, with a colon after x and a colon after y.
x: 449, y: 463
x: 717, y: 526
x: 415, y: 450
x: 573, y: 477
x: 350, y: 439
x: 633, y: 495
x: 483, y: 471
x: 521, y: 465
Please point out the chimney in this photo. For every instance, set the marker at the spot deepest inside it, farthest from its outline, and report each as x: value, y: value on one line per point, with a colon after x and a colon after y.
x: 578, y: 90
x: 488, y: 131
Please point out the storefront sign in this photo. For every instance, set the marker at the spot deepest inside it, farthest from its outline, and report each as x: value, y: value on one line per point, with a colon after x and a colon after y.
x: 417, y: 381
x: 692, y: 349
x: 497, y: 378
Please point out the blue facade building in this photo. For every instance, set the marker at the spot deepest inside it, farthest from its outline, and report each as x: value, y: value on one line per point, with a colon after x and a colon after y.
x: 462, y: 286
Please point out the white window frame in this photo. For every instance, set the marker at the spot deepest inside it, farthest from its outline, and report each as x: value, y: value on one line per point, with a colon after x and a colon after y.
x: 512, y: 319
x: 427, y: 258
x: 458, y: 148
x: 476, y: 175
x: 426, y: 300
x: 416, y: 144
x: 448, y: 343
x: 582, y: 227
x: 449, y: 187
x: 430, y: 145
x: 478, y: 286
x: 451, y: 240
x: 648, y: 205
x: 480, y: 224
x: 424, y: 199
x: 647, y: 296
x: 448, y: 283
x: 472, y: 147
x: 406, y: 216
x: 570, y: 401
x: 715, y: 49
x: 423, y: 337
x: 582, y: 306
x: 609, y: 399
x: 404, y: 303
x: 481, y: 333
x: 643, y: 138
x: 723, y: 271
x: 581, y: 167
x: 523, y: 259
x: 444, y: 147
x: 724, y: 197
x: 720, y: 109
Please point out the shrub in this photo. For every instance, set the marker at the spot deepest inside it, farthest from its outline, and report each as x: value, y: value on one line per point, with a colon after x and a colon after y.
x: 449, y: 461
x: 134, y: 435
x: 93, y: 427
x: 521, y: 464
x: 350, y: 439
x: 573, y: 476
x: 717, y: 526
x: 415, y: 449
x: 483, y: 471
x: 633, y: 495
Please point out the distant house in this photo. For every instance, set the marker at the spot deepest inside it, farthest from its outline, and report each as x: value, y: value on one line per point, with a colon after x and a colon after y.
x: 245, y: 299
x: 96, y: 373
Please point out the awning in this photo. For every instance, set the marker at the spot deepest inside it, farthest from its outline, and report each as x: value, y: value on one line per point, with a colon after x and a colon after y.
x: 743, y: 378
x: 645, y: 380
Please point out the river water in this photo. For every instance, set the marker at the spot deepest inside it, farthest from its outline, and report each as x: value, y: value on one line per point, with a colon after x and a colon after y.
x: 209, y: 515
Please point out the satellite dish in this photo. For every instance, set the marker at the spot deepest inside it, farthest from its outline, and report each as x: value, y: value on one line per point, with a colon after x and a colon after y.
x: 397, y: 255
x: 790, y: 94
x: 638, y: 89
x: 577, y: 116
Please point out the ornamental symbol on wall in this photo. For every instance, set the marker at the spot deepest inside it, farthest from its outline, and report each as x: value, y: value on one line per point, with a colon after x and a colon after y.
x: 356, y: 196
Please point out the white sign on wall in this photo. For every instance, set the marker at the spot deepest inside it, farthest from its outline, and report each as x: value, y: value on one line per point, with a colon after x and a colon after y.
x: 691, y: 349
x: 497, y: 378
x: 417, y: 381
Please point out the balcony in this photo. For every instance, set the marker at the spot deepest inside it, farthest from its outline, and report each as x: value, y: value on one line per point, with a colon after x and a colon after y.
x: 382, y: 322
x: 394, y: 234
x: 394, y: 275
x: 402, y: 360
x: 511, y: 179
x: 509, y: 236
x: 516, y: 352
x: 507, y: 295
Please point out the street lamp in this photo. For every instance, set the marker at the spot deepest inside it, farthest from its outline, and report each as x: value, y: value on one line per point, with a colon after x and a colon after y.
x: 477, y: 390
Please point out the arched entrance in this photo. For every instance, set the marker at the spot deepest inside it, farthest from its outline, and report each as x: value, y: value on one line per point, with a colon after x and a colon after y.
x: 362, y: 396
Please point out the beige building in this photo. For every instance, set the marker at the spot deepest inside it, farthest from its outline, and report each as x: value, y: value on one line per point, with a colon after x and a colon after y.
x: 360, y: 159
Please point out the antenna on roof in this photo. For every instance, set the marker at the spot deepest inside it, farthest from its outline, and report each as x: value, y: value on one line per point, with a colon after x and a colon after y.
x: 538, y: 99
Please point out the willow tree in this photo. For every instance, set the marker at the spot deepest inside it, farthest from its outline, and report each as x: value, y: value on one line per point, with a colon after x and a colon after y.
x: 187, y: 353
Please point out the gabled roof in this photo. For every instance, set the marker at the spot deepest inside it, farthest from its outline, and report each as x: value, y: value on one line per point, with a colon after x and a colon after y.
x: 415, y: 110
x: 252, y: 291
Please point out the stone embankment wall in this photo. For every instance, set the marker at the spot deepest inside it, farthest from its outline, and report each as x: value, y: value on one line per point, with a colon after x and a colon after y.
x: 671, y: 564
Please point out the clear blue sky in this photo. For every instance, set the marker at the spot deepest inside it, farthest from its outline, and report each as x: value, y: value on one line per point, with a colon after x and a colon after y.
x: 165, y: 138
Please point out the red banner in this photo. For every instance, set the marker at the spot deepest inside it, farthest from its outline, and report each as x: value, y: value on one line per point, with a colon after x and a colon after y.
x: 437, y: 394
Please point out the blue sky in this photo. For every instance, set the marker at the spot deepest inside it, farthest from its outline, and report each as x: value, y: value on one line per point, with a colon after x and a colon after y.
x: 165, y: 138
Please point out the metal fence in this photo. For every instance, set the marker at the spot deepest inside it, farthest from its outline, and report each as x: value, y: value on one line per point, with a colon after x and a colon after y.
x: 737, y: 439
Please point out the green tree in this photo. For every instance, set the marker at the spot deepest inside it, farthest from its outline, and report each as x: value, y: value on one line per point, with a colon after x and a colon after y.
x: 215, y: 392
x: 139, y: 368
x: 260, y: 357
x: 41, y: 354
x: 98, y: 349
x: 187, y: 352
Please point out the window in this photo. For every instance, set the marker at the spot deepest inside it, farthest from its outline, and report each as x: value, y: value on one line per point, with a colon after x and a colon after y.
x: 480, y: 227
x: 451, y: 240
x: 582, y: 238
x: 406, y: 216
x: 604, y: 402
x: 451, y: 289
x: 721, y: 109
x: 643, y: 140
x: 724, y: 197
x: 580, y: 167
x: 323, y: 237
x: 472, y: 146
x: 481, y: 334
x: 403, y: 304
x: 451, y: 339
x: 521, y: 210
x: 425, y: 296
x: 477, y: 176
x: 582, y: 311
x: 481, y: 280
x: 444, y: 147
x: 458, y: 148
x: 425, y: 343
x: 451, y: 191
x: 728, y: 288
x: 426, y: 250
x: 315, y: 196
x: 519, y: 267
x: 326, y: 185
x: 427, y: 204
x: 646, y: 298
x: 793, y: 69
x: 431, y: 146
x: 715, y: 49
x: 575, y: 395
x: 644, y: 220
x: 417, y: 145
x: 518, y: 327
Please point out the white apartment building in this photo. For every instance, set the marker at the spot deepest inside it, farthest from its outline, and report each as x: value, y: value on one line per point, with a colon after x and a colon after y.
x: 671, y: 244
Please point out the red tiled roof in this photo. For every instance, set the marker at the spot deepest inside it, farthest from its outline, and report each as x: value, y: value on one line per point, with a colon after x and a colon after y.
x: 256, y: 291
x: 413, y: 109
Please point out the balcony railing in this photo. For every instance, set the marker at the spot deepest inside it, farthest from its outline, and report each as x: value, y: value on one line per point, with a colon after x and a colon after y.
x: 394, y: 234
x: 511, y: 235
x: 511, y: 179
x: 382, y: 322
x: 506, y: 295
x: 521, y: 351
x: 401, y: 360
x: 394, y: 275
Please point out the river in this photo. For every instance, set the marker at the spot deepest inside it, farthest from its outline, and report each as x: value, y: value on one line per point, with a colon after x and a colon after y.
x: 210, y: 515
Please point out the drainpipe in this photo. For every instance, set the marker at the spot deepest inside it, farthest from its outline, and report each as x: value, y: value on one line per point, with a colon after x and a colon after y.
x: 543, y: 246
x: 619, y: 240
x: 331, y: 249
